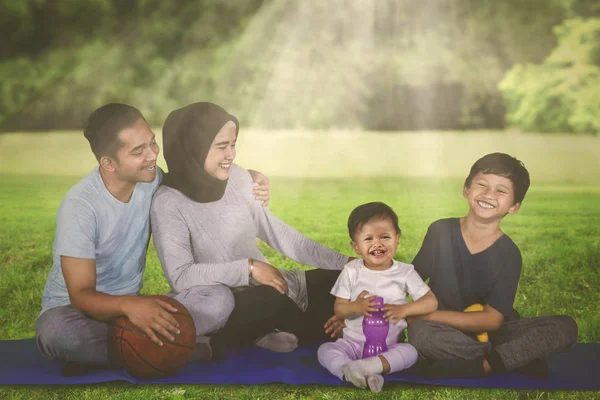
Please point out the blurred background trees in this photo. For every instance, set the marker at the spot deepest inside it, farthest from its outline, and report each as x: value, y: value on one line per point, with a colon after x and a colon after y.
x: 531, y: 65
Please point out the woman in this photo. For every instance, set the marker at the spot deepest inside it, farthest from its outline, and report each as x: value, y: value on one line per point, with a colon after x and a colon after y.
x: 205, y: 223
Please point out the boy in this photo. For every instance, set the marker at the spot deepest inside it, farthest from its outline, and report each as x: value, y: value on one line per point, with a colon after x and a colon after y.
x: 468, y: 261
x: 374, y: 231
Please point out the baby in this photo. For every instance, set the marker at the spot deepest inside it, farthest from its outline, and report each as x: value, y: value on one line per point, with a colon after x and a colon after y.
x: 373, y: 228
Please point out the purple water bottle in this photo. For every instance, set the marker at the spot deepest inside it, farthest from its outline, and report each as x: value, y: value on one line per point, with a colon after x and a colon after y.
x: 376, y: 330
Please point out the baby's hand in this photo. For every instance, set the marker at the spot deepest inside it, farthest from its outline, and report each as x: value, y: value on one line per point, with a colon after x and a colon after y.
x: 363, y: 304
x: 394, y: 312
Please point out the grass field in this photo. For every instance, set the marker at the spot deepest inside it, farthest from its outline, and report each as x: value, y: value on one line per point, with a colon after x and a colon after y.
x: 557, y: 229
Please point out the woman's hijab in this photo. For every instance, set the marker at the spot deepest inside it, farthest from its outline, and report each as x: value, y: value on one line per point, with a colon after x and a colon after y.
x: 188, y: 134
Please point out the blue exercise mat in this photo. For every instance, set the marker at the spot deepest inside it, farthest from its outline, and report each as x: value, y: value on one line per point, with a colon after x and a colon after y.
x: 21, y: 363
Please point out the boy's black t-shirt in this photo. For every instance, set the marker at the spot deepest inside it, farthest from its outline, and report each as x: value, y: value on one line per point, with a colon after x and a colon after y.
x: 459, y: 278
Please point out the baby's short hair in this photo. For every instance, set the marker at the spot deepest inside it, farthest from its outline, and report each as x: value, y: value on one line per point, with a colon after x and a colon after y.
x: 103, y: 127
x: 366, y: 212
x: 504, y: 165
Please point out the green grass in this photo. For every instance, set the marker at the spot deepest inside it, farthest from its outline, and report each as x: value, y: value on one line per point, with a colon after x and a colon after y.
x: 557, y: 229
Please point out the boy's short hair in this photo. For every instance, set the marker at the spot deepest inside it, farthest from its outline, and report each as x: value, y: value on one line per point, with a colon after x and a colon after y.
x: 366, y: 212
x: 504, y: 165
x: 103, y: 127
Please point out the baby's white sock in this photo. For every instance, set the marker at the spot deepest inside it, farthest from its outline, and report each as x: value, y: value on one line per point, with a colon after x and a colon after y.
x: 281, y: 342
x: 353, y: 373
x: 372, y: 365
x: 375, y: 382
x: 357, y: 371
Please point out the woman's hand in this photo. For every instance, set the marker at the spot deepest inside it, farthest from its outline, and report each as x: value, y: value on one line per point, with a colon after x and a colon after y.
x: 261, y: 187
x: 334, y: 327
x: 269, y: 275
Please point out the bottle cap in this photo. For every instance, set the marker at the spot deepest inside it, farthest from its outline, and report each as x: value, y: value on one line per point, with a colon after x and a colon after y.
x: 379, y: 301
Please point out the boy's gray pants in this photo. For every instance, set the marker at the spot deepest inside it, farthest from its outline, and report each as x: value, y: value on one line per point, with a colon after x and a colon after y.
x: 67, y: 334
x: 518, y: 342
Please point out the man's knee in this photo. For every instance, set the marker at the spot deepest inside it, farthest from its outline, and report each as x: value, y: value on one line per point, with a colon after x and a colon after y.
x: 56, y: 338
x: 50, y: 340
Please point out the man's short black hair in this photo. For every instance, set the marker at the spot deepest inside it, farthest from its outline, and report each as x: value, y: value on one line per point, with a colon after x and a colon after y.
x: 103, y: 127
x: 369, y: 211
x: 504, y: 165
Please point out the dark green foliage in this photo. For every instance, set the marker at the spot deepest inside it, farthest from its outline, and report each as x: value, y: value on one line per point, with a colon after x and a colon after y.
x: 376, y: 65
x: 65, y: 59
x: 561, y: 94
x: 384, y: 65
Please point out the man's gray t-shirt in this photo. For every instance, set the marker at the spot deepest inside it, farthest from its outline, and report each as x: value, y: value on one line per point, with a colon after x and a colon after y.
x: 92, y: 224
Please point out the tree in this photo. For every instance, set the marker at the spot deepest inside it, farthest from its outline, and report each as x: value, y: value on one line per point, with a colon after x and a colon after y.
x: 561, y: 94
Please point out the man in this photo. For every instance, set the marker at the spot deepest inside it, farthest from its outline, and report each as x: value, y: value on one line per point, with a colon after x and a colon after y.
x: 99, y: 251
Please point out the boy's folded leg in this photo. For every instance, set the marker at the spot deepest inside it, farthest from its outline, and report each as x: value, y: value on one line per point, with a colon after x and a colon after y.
x: 536, y: 369
x: 420, y: 367
x: 454, y: 369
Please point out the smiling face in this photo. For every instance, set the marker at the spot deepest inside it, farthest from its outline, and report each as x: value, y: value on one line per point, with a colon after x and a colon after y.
x: 490, y: 196
x: 222, y: 152
x: 376, y: 242
x: 136, y: 158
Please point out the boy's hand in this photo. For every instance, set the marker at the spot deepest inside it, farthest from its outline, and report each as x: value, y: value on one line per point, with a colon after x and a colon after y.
x: 364, y: 305
x: 152, y: 316
x: 394, y: 312
x: 482, y: 336
x: 412, y: 318
x: 261, y: 187
x: 334, y: 327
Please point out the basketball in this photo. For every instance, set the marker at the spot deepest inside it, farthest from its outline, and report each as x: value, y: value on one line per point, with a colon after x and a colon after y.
x: 143, y: 358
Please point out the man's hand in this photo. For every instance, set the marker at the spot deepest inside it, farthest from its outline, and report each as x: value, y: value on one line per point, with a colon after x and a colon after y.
x: 261, y: 187
x: 152, y: 316
x: 334, y: 327
x: 363, y: 304
x: 394, y: 312
x: 269, y: 275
